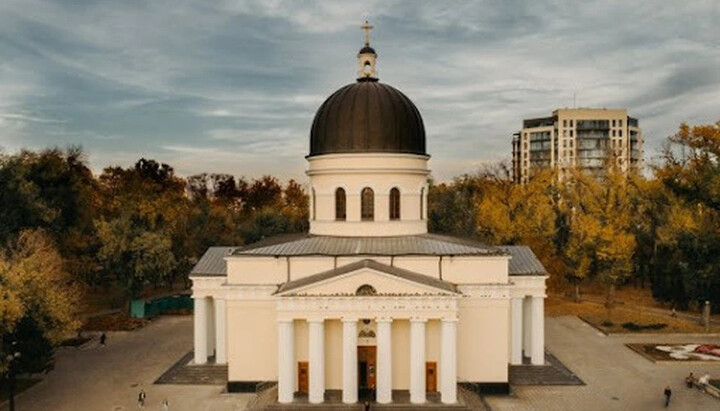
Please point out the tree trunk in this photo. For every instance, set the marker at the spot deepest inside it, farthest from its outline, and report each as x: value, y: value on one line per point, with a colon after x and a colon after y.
x: 577, y: 292
x: 610, y: 300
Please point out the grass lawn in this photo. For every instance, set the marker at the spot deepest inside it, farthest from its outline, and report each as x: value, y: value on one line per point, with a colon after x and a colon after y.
x: 596, y: 314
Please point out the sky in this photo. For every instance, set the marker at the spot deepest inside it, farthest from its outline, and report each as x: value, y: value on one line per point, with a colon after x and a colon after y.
x: 232, y: 86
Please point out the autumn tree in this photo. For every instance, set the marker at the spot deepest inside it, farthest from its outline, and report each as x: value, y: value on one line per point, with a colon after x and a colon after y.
x: 37, y: 304
x: 601, y: 243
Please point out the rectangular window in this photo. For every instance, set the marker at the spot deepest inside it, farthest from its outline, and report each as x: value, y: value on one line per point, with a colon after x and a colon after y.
x: 571, y: 133
x: 620, y: 133
x: 619, y: 123
x: 613, y: 133
x: 613, y: 123
x: 564, y: 123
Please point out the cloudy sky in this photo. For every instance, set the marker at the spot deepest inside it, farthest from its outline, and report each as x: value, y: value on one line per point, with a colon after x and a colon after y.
x: 233, y: 86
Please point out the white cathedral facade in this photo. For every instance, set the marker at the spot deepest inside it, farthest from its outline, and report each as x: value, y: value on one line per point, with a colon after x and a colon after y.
x: 368, y: 301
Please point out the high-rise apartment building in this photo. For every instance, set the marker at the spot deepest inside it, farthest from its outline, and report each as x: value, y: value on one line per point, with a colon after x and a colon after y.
x: 577, y: 137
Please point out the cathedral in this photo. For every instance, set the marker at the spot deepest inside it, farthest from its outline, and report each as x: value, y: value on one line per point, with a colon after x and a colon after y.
x: 368, y: 304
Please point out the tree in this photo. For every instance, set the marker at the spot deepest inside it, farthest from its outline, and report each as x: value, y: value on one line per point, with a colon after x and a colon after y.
x: 601, y: 244
x: 37, y: 304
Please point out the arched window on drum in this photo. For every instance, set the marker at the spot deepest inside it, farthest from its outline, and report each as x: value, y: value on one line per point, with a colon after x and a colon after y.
x: 367, y: 204
x: 340, y: 204
x: 394, y: 204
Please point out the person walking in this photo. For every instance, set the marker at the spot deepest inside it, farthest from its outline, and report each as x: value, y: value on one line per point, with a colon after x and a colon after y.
x: 141, y: 399
x: 367, y: 406
x: 166, y: 405
x: 668, y: 394
x: 103, y: 337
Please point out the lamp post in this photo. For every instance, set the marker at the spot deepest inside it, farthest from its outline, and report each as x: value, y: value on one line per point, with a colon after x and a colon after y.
x: 11, y: 376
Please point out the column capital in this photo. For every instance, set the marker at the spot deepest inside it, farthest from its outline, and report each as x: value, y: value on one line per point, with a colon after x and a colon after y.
x: 285, y: 320
x: 450, y: 319
x: 315, y: 320
x: 349, y: 320
x: 418, y: 320
x: 383, y: 320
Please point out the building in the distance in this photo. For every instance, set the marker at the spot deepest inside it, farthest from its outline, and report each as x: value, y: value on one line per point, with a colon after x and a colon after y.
x: 577, y: 137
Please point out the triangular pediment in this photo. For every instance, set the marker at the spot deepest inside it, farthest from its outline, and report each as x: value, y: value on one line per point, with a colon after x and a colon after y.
x: 367, y: 278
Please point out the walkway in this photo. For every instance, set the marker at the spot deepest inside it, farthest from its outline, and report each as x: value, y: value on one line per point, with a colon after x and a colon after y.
x: 616, y: 378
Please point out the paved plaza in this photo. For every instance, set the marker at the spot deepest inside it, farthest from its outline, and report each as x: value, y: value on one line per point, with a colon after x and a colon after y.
x: 109, y: 378
x: 616, y: 377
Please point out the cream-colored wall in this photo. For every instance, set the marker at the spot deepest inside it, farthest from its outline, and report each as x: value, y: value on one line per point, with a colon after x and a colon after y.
x: 400, y: 354
x: 427, y: 265
x: 433, y: 329
x: 475, y: 270
x: 349, y: 283
x: 458, y: 270
x: 256, y: 270
x: 333, y: 354
x: 252, y: 340
x: 483, y: 340
x: 381, y: 172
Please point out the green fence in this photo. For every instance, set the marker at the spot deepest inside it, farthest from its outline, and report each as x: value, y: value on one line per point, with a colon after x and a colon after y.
x: 157, y: 306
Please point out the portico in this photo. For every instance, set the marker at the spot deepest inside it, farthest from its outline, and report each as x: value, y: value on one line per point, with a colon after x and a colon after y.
x: 379, y: 313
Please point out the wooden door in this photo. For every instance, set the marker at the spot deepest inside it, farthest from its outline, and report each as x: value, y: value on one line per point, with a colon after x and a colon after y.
x: 367, y: 357
x: 303, y: 376
x: 431, y: 376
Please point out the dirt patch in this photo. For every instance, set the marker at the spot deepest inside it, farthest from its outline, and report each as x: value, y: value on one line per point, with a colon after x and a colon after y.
x: 114, y: 322
x: 635, y: 319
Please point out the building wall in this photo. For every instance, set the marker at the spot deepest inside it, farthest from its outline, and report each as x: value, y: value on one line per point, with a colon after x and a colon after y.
x: 400, y: 354
x: 459, y: 270
x: 566, y: 149
x: 483, y: 340
x: 252, y: 340
x: 381, y: 172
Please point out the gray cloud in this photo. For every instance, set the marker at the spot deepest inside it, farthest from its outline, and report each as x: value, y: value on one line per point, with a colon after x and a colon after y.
x: 232, y: 86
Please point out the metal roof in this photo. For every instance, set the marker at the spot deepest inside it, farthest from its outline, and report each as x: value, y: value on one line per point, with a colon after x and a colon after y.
x: 212, y: 263
x: 424, y: 244
x: 367, y: 117
x: 524, y: 261
x: 374, y: 265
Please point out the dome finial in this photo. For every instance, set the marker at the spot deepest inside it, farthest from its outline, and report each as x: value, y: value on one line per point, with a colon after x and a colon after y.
x: 367, y: 57
x: 367, y: 27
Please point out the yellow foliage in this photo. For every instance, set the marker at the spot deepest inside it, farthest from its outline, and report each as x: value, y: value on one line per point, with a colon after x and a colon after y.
x: 33, y: 283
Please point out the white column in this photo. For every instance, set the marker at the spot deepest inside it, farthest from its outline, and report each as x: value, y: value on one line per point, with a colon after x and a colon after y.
x: 516, y: 331
x: 538, y: 331
x: 526, y: 316
x: 286, y: 361
x: 200, y: 329
x: 448, y: 361
x: 220, y: 332
x: 350, y: 361
x: 384, y: 361
x: 210, y: 312
x: 417, y: 361
x: 317, y: 361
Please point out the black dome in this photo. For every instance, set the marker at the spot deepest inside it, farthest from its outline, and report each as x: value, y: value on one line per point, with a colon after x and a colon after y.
x: 367, y: 49
x: 367, y: 117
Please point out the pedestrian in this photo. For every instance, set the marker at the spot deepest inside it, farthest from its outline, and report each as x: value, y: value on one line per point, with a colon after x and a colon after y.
x: 690, y: 380
x: 166, y: 405
x: 141, y: 399
x: 367, y: 406
x: 103, y: 337
x: 668, y: 393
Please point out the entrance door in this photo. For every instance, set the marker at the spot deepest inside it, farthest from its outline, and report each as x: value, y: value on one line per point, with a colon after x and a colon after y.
x: 431, y: 376
x: 367, y: 367
x: 303, y: 376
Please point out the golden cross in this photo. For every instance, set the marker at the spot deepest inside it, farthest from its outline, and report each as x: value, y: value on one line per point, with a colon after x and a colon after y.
x: 367, y: 27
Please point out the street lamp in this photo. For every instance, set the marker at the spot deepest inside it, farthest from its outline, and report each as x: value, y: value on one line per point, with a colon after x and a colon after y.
x: 11, y: 375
